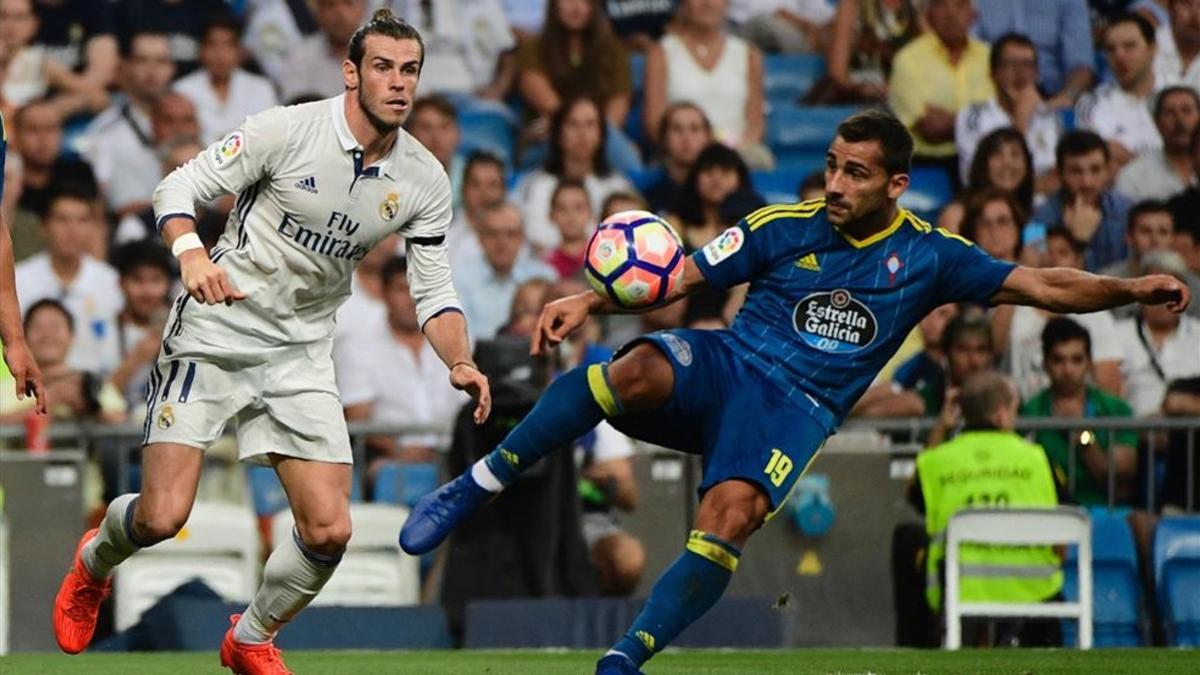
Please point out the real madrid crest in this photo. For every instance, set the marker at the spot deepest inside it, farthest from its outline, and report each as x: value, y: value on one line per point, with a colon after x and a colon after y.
x: 390, y: 206
x: 166, y: 417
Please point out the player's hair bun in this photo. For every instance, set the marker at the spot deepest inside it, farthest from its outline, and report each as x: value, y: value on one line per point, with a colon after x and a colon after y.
x: 383, y: 14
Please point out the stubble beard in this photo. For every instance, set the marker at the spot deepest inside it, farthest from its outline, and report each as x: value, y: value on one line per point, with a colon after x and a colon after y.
x: 381, y: 126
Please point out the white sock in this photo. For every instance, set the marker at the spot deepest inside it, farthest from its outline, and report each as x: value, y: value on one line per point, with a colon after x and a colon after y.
x: 292, y: 577
x: 112, y: 544
x: 483, y: 476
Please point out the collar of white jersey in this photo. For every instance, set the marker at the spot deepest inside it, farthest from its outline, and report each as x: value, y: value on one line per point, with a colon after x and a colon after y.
x: 392, y: 166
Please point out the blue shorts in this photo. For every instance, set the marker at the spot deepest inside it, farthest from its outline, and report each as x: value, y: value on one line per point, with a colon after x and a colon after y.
x: 740, y: 424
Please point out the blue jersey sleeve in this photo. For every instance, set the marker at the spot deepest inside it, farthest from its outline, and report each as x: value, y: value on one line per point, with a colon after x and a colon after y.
x: 736, y: 256
x: 965, y: 272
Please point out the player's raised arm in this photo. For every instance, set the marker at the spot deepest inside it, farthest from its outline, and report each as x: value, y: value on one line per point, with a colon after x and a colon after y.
x: 1064, y: 290
x: 229, y: 166
x: 561, y: 317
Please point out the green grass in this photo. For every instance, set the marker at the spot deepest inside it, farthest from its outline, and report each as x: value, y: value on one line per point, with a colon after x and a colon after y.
x: 691, y: 662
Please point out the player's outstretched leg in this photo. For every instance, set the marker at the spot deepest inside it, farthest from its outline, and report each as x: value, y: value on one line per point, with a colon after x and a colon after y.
x: 729, y: 513
x: 640, y: 379
x: 132, y: 522
x: 319, y: 494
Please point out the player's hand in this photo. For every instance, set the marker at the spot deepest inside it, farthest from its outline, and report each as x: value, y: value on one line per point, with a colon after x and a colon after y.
x: 557, y: 321
x: 466, y: 377
x: 951, y: 411
x: 26, y: 374
x: 1158, y: 289
x: 205, y: 281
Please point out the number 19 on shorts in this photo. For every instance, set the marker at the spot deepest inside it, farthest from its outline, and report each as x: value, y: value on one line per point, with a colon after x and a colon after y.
x: 778, y: 467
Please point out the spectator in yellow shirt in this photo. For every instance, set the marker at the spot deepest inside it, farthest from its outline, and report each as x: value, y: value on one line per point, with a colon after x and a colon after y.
x: 937, y: 74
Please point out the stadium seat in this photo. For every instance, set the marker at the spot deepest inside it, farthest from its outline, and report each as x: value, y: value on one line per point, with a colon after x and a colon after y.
x: 803, y: 129
x: 780, y: 186
x: 487, y: 129
x: 929, y: 190
x: 1177, y: 575
x: 373, y: 572
x: 1117, y: 614
x: 218, y: 545
x: 788, y: 77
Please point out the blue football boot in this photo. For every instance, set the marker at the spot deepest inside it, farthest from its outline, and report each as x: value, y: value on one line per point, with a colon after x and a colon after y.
x: 616, y: 664
x: 436, y: 514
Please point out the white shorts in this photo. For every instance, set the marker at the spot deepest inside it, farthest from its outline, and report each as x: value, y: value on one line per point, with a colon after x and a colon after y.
x: 284, y: 401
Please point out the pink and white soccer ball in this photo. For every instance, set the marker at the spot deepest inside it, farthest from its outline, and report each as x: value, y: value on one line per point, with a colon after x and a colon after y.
x: 634, y: 258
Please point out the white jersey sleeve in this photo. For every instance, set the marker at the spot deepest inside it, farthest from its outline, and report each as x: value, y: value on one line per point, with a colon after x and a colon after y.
x: 227, y: 166
x: 429, y: 277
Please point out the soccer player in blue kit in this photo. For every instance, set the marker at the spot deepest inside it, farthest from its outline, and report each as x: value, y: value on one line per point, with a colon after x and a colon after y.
x: 835, y: 286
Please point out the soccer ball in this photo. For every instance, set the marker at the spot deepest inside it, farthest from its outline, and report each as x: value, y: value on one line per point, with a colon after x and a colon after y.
x: 634, y: 258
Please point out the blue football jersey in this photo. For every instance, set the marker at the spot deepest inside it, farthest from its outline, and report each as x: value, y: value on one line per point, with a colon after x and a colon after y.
x: 826, y: 311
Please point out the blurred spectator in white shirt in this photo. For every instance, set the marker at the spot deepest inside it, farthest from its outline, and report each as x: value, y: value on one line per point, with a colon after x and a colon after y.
x: 120, y: 142
x: 1179, y: 45
x: 787, y: 26
x: 1164, y: 173
x: 393, y: 376
x: 1159, y: 346
x: 525, y: 16
x: 1017, y: 104
x: 482, y: 188
x: 486, y: 283
x: 364, y: 313
x: 314, y: 66
x: 1120, y: 110
x: 272, y: 28
x: 468, y: 46
x: 224, y: 93
x: 577, y: 150
x: 86, y: 286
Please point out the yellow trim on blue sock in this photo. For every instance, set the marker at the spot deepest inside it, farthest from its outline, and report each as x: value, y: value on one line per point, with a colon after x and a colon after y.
x: 601, y: 391
x: 699, y: 544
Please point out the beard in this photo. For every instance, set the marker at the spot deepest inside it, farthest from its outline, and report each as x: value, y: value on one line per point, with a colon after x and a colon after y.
x: 377, y: 122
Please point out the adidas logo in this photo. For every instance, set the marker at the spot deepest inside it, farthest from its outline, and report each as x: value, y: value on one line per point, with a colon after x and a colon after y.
x: 308, y: 184
x: 808, y: 262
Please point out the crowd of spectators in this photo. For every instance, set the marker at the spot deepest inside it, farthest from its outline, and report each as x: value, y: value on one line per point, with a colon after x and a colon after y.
x: 1070, y: 132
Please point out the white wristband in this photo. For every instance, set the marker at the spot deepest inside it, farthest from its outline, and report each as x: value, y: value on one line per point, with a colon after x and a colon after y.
x: 186, y: 242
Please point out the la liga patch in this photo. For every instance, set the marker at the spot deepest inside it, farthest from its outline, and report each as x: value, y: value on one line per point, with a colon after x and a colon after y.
x: 229, y: 148
x: 729, y: 242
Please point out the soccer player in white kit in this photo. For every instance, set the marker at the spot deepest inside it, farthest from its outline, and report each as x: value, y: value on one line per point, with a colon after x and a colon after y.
x: 318, y: 185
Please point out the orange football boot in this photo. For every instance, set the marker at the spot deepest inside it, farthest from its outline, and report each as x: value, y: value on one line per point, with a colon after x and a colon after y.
x: 251, y: 659
x: 78, y: 603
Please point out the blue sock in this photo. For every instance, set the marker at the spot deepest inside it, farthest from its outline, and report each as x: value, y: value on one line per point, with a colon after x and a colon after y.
x: 689, y: 587
x: 574, y: 403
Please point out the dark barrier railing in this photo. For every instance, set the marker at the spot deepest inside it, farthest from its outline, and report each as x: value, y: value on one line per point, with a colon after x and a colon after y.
x: 123, y: 439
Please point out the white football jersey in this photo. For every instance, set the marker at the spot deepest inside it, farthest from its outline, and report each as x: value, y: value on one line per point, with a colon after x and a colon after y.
x: 1119, y: 116
x: 307, y: 211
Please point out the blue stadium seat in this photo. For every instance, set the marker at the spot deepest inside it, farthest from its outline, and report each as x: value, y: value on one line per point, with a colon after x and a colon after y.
x: 487, y: 129
x: 780, y: 186
x: 788, y: 77
x: 803, y: 130
x: 1117, y: 606
x: 1177, y: 575
x: 397, y: 483
x: 928, y: 192
x: 268, y: 497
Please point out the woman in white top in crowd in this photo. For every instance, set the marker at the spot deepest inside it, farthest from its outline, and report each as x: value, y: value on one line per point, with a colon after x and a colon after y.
x: 576, y: 152
x: 699, y: 61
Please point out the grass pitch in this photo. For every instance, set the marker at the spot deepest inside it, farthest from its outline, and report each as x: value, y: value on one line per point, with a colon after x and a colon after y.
x: 691, y: 662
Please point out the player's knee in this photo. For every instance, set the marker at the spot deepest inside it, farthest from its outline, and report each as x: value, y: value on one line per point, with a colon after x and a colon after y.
x: 733, y: 511
x: 327, y: 538
x: 642, y: 377
x: 154, y: 527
